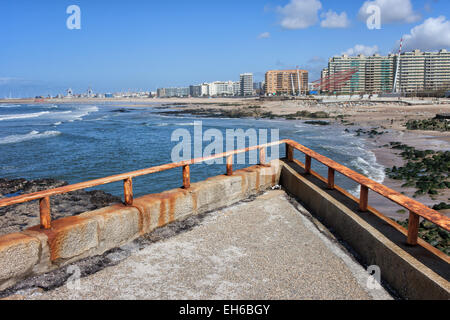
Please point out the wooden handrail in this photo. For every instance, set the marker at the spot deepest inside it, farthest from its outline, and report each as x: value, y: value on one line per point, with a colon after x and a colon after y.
x: 412, y: 205
x: 124, y: 176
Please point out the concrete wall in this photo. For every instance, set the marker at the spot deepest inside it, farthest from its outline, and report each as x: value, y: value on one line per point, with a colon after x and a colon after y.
x: 36, y: 251
x: 409, y: 277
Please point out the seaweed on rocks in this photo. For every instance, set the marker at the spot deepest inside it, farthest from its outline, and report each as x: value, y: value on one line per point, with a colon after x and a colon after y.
x: 426, y: 170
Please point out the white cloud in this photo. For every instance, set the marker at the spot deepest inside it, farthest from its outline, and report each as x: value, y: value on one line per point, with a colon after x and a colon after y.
x: 264, y: 35
x: 391, y: 11
x: 361, y: 49
x: 11, y: 80
x: 299, y: 14
x: 432, y: 34
x: 334, y: 20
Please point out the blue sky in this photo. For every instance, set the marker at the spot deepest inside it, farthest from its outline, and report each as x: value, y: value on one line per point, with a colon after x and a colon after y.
x: 139, y: 44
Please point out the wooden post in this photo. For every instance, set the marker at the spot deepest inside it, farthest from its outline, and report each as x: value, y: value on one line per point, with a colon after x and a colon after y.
x: 364, y: 198
x: 45, y: 214
x: 128, y: 191
x: 331, y: 178
x: 413, y: 228
x: 262, y: 156
x: 230, y: 165
x: 308, y: 164
x: 186, y: 177
x: 289, y: 152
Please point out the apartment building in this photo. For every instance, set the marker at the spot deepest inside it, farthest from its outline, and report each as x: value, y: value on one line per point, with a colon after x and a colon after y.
x: 290, y: 82
x: 172, y: 92
x: 424, y: 71
x: 223, y: 88
x: 246, y: 84
x: 417, y: 71
x: 374, y: 74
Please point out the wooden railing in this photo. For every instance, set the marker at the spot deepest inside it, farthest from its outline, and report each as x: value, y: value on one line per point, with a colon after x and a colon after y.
x: 415, y: 208
x: 127, y: 178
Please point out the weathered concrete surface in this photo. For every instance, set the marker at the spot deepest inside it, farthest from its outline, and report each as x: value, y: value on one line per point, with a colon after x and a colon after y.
x: 18, y: 254
x: 263, y: 249
x: 26, y: 215
x: 413, y: 272
x: 93, y: 233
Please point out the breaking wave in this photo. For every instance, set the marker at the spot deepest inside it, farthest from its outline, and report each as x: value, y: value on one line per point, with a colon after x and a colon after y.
x: 370, y: 168
x: 22, y: 116
x: 29, y: 136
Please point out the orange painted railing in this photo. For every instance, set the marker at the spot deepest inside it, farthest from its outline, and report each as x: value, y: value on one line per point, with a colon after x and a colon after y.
x: 415, y: 208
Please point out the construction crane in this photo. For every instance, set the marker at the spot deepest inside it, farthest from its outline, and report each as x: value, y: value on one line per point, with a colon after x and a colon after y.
x: 298, y: 81
x: 397, y: 69
x: 334, y: 81
x: 292, y: 84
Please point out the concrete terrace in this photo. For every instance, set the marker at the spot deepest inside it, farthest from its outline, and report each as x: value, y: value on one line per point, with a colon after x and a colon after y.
x: 266, y: 248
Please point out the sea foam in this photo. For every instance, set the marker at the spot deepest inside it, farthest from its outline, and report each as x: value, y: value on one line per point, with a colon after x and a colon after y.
x: 22, y: 116
x: 28, y: 136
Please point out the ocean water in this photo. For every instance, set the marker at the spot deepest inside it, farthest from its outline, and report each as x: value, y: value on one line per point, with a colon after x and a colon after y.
x: 76, y: 143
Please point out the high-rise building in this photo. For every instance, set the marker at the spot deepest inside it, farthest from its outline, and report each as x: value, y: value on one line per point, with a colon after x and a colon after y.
x: 374, y: 74
x: 205, y: 89
x: 417, y: 71
x: 246, y: 84
x: 195, y: 91
x: 291, y: 82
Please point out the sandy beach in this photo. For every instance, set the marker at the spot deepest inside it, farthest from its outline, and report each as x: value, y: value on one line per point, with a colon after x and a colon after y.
x: 388, y: 116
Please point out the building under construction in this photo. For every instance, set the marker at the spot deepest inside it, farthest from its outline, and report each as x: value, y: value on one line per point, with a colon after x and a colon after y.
x: 414, y: 71
x: 360, y: 74
x: 286, y: 82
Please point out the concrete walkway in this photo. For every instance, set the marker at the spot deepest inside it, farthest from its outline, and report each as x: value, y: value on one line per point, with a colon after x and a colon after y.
x: 261, y: 249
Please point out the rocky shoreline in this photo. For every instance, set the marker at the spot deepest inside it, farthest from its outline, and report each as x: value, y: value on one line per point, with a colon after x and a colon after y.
x: 19, y: 217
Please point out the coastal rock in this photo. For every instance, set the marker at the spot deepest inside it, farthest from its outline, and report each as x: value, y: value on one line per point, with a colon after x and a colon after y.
x: 16, y: 218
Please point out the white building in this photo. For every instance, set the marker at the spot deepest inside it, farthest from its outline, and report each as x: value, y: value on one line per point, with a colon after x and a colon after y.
x: 205, y: 89
x: 221, y: 88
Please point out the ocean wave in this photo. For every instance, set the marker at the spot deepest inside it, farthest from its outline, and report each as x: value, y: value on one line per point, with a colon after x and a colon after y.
x: 9, y: 105
x: 370, y: 168
x: 76, y: 114
x: 81, y: 112
x: 185, y: 124
x: 22, y: 116
x: 344, y: 150
x: 29, y: 136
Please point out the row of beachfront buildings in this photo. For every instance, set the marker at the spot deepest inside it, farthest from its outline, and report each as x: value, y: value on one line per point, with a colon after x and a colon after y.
x: 414, y: 71
x: 244, y: 87
x: 409, y: 72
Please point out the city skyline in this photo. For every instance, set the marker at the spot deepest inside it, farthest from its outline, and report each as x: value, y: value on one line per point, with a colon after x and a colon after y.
x: 145, y: 45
